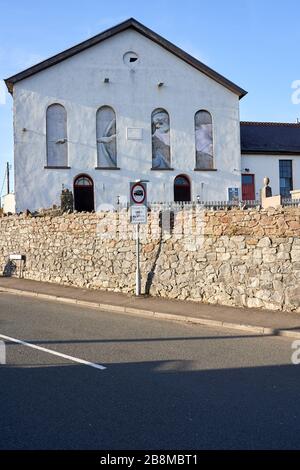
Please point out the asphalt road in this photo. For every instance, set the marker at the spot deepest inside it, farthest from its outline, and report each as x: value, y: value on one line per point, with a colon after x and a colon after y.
x: 166, y: 385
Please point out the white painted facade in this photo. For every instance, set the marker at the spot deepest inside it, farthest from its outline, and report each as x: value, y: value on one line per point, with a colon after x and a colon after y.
x: 78, y: 84
x: 268, y: 165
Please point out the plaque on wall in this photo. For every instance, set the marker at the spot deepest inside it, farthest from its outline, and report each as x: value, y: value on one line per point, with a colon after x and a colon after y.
x: 134, y: 133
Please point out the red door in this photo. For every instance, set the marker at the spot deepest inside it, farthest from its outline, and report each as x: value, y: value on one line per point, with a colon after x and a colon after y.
x: 248, y: 187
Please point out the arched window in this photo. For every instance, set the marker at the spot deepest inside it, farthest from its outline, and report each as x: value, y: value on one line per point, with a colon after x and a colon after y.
x: 182, y: 189
x: 204, y: 141
x: 83, y: 180
x: 106, y: 138
x: 161, y: 155
x: 57, y: 139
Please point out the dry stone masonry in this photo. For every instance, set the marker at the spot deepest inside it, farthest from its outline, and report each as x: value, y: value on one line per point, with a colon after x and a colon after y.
x: 235, y: 257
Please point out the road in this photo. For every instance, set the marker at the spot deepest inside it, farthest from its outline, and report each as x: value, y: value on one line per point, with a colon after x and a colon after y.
x: 165, y: 385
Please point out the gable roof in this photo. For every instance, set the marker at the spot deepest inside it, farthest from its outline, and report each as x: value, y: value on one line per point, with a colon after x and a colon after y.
x: 140, y: 28
x: 270, y: 138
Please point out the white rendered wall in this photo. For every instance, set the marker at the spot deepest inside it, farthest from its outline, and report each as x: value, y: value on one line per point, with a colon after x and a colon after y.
x: 9, y: 203
x: 77, y: 83
x: 268, y: 165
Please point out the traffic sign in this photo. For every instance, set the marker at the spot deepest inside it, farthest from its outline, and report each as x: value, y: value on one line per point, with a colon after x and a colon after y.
x: 138, y: 214
x: 138, y: 194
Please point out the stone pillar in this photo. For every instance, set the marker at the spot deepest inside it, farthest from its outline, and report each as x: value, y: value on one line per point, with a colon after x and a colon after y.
x: 266, y: 191
x: 267, y: 200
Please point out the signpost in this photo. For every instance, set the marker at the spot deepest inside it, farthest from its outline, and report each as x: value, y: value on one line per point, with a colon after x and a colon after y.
x: 138, y: 193
x: 138, y: 215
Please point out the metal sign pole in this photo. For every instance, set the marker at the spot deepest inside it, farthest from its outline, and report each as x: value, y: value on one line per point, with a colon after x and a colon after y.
x: 138, y: 271
x: 7, y: 176
x: 138, y: 215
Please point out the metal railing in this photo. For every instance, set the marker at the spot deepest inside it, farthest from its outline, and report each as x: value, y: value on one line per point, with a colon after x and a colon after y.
x: 291, y: 202
x: 210, y: 205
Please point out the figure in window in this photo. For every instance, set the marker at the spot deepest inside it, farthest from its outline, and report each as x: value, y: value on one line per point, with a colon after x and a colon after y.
x: 204, y: 141
x: 160, y: 140
x: 106, y: 138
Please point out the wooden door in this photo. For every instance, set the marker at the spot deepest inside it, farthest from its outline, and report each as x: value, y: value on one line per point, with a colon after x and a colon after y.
x: 248, y: 187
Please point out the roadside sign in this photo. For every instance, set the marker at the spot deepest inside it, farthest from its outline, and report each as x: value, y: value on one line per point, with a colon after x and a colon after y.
x: 138, y: 194
x: 138, y: 214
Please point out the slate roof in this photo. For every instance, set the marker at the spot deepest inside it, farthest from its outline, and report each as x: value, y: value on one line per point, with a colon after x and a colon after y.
x: 270, y: 138
x: 131, y: 23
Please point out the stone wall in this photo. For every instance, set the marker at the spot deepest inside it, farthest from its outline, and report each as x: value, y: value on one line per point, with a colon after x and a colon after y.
x: 239, y: 257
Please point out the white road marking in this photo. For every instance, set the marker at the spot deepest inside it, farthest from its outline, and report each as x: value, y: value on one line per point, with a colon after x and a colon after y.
x: 54, y: 353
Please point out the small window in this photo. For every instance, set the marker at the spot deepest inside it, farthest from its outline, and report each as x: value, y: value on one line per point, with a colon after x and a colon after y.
x: 83, y: 181
x: 247, y: 179
x: 204, y: 141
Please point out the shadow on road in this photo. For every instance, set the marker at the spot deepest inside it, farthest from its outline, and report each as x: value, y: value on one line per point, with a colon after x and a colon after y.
x: 140, y: 340
x: 149, y: 405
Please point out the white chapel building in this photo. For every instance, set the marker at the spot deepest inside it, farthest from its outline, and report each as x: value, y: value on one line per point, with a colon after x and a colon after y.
x: 127, y: 104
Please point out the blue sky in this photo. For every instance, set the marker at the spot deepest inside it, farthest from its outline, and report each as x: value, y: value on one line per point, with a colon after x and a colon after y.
x: 254, y: 43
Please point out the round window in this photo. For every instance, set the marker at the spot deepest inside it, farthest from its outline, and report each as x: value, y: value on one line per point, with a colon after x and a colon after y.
x: 131, y: 59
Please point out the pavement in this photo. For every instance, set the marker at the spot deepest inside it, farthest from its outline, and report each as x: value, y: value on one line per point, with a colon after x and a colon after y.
x: 253, y: 320
x: 161, y: 384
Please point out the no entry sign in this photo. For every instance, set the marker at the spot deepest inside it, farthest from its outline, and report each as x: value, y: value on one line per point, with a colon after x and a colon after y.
x: 138, y: 194
x: 138, y: 215
x: 138, y: 202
